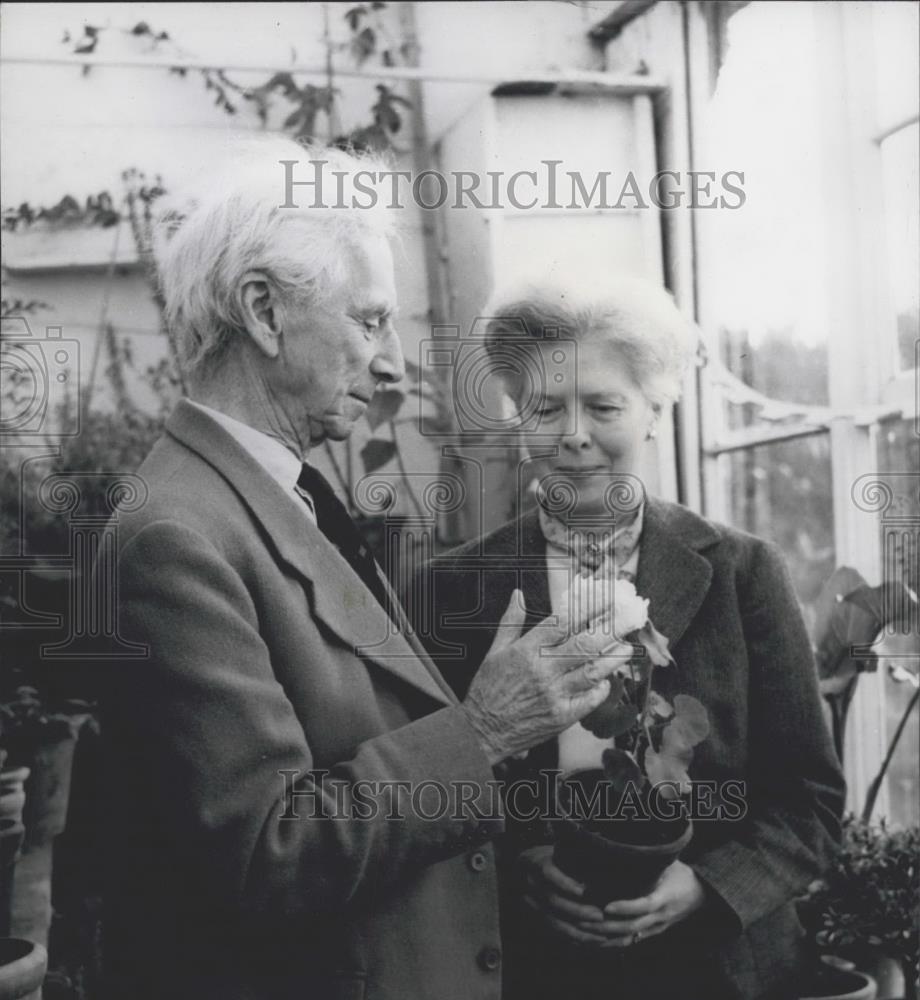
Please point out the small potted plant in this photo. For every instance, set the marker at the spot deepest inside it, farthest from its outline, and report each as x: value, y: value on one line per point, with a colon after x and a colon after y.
x: 22, y: 969
x: 625, y: 821
x: 12, y: 831
x: 835, y: 979
x: 42, y: 741
x: 867, y: 907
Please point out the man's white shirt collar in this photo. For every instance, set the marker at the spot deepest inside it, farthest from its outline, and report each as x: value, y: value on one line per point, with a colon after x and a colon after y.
x: 276, y: 458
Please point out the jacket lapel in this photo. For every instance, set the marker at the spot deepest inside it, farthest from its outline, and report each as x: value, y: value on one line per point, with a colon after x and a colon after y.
x: 339, y: 597
x: 672, y: 573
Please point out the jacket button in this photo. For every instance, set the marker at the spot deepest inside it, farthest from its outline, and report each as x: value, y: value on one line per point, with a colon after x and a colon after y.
x: 489, y: 959
x: 478, y: 861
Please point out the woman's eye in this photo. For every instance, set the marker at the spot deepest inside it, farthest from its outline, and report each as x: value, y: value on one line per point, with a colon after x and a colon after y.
x: 606, y: 409
x: 549, y: 412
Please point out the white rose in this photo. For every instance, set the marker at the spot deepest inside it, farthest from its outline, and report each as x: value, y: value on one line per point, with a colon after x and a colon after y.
x: 630, y: 611
x: 611, y: 604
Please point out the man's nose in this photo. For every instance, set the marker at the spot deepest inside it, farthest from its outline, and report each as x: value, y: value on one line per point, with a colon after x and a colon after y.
x: 388, y: 364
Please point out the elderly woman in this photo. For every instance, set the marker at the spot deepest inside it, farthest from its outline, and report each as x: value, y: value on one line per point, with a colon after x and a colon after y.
x: 720, y: 923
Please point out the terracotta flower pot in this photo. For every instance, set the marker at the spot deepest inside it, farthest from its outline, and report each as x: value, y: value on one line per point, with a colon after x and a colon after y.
x: 836, y: 982
x: 11, y: 835
x: 13, y: 792
x: 22, y: 969
x: 48, y: 790
x: 616, y: 858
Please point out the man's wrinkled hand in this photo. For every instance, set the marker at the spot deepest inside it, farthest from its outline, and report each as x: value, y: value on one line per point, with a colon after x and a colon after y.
x: 531, y: 687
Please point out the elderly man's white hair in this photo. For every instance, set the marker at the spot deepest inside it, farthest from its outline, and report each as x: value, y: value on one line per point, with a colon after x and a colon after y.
x: 637, y: 318
x: 231, y: 221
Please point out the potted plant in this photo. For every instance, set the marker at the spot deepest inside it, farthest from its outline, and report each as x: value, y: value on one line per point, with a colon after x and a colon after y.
x: 22, y: 969
x: 12, y: 831
x: 831, y: 979
x: 625, y: 821
x: 42, y: 741
x: 867, y: 907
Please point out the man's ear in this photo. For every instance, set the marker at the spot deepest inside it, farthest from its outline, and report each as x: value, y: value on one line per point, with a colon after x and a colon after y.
x: 261, y: 312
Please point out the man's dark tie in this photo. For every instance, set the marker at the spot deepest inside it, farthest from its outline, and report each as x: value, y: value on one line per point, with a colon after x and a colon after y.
x: 334, y: 521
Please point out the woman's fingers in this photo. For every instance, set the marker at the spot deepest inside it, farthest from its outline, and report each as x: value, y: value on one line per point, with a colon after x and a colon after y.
x: 545, y: 870
x: 643, y: 926
x: 631, y: 908
x: 568, y: 930
x: 565, y: 908
x: 630, y: 940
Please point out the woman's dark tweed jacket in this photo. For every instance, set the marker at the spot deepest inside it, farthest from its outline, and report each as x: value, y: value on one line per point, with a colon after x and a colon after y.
x: 725, y: 601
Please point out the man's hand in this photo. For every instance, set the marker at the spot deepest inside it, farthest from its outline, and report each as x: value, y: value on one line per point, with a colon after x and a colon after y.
x: 530, y: 688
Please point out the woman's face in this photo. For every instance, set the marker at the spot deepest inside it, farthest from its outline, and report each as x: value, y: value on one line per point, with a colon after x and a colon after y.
x: 594, y: 417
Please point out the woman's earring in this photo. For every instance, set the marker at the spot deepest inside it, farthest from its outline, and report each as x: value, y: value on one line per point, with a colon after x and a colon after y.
x: 652, y: 434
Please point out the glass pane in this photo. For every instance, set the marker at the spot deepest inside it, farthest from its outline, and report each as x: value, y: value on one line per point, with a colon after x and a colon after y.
x: 782, y: 492
x: 764, y: 274
x: 896, y: 27
x: 899, y: 471
x: 901, y: 186
x: 903, y: 790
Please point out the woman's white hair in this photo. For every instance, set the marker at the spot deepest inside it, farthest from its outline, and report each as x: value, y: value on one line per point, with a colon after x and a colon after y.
x: 638, y: 319
x: 237, y: 220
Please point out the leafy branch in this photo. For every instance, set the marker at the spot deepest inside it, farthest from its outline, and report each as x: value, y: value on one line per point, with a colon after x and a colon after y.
x: 366, y: 28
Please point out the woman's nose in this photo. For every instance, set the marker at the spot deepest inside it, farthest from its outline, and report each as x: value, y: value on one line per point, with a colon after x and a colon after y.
x: 388, y: 364
x: 578, y: 440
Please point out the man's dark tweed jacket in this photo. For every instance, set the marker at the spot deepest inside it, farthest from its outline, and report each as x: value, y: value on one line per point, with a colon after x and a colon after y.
x: 725, y: 601
x: 268, y: 653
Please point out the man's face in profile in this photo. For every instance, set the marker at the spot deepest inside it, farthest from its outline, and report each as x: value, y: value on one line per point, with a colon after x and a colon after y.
x: 335, y: 351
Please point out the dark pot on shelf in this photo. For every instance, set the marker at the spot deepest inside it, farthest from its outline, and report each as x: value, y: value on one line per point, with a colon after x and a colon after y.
x: 11, y: 835
x: 48, y: 787
x: 833, y: 980
x: 13, y: 792
x: 614, y: 858
x: 22, y: 968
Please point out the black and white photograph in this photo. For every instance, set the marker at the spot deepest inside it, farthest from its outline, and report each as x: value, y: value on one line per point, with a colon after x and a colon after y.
x: 460, y: 500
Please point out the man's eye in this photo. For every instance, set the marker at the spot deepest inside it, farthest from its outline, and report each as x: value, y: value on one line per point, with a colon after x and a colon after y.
x: 606, y: 409
x: 549, y: 412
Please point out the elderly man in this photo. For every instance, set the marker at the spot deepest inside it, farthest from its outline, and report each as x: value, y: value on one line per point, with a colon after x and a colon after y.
x: 277, y: 652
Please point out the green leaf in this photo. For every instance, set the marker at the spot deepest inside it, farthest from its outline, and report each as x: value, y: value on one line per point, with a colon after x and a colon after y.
x: 377, y: 453
x: 658, y: 707
x: 662, y: 767
x: 692, y: 716
x: 612, y: 717
x: 363, y: 45
x: 354, y: 15
x: 293, y: 118
x: 676, y: 742
x: 621, y: 769
x: 384, y: 406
